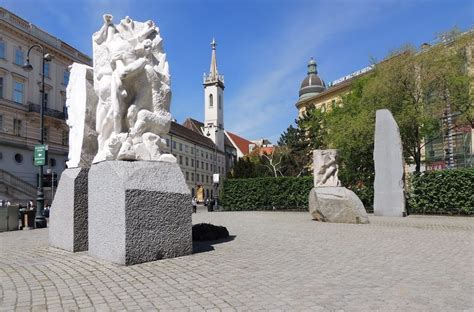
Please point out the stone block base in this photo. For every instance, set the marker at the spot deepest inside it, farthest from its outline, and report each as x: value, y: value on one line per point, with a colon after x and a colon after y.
x: 139, y: 211
x: 336, y: 204
x: 68, y: 215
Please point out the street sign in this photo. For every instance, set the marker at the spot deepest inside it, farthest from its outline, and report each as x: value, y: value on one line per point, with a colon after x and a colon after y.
x: 40, y: 155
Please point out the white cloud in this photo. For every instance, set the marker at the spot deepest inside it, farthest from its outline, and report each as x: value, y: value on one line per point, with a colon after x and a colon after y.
x: 265, y: 103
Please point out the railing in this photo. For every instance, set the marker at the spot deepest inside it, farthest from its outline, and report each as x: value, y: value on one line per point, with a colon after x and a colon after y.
x: 17, y: 183
x: 48, y: 111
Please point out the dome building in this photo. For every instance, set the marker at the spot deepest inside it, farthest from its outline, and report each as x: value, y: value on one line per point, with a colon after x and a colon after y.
x: 312, y: 84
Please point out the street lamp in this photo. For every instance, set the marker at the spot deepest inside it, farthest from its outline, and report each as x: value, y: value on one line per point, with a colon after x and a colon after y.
x: 40, y: 220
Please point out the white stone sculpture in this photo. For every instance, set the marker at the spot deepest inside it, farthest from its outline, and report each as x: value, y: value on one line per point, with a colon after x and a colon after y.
x: 325, y: 168
x: 132, y: 81
x: 328, y: 201
x: 81, y: 104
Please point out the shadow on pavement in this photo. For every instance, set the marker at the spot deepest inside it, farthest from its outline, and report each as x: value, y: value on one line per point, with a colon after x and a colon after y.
x: 205, y: 246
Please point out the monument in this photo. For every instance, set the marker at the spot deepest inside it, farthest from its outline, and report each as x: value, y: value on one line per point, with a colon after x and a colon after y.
x: 138, y: 200
x: 328, y: 200
x: 389, y: 195
x: 68, y: 218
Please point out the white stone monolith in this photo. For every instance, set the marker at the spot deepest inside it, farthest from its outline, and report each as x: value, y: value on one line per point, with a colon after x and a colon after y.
x: 389, y: 195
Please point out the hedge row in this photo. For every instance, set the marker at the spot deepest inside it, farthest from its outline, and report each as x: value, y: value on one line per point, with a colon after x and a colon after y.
x: 437, y: 192
x: 442, y: 192
x: 283, y: 193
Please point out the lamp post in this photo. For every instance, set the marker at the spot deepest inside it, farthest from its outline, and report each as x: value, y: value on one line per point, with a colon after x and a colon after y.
x: 40, y: 220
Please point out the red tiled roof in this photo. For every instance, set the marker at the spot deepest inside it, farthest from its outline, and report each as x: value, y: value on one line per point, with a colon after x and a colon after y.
x: 242, y: 144
x: 265, y: 150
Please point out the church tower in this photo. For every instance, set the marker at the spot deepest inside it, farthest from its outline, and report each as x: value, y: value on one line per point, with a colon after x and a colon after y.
x: 214, y: 102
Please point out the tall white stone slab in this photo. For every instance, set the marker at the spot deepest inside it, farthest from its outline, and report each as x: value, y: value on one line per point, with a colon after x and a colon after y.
x: 81, y: 104
x: 389, y: 195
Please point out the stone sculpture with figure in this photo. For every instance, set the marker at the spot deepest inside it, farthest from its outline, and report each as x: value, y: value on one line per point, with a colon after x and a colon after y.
x: 328, y: 200
x: 131, y: 78
x: 117, y: 131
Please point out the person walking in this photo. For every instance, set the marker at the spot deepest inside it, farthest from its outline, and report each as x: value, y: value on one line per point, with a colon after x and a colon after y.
x: 194, y: 203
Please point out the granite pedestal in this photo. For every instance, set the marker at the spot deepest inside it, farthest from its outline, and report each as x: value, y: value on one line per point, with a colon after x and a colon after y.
x: 139, y: 211
x: 68, y: 215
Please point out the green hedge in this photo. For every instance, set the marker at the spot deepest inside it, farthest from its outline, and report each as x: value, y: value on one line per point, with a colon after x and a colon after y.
x: 283, y: 193
x: 442, y: 192
x: 436, y: 192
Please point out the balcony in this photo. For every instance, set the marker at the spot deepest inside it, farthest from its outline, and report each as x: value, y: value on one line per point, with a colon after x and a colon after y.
x: 35, y: 108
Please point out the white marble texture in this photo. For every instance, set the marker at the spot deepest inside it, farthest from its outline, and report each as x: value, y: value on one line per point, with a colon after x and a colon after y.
x: 132, y: 81
x: 81, y: 104
x: 325, y: 168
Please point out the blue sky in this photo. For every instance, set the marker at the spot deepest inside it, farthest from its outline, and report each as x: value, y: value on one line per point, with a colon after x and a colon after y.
x: 263, y: 45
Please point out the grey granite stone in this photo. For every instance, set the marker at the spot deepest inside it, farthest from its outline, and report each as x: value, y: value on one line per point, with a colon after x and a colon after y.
x: 336, y: 204
x: 68, y: 215
x: 389, y: 196
x: 139, y: 212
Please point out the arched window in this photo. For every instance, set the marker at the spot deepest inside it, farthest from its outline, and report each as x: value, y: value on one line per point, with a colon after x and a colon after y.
x: 211, y: 100
x: 220, y: 101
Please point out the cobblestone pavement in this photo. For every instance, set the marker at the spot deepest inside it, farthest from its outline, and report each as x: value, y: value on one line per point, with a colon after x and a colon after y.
x: 279, y: 261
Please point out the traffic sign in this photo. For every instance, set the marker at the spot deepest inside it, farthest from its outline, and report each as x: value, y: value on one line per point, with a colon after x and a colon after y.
x: 40, y: 154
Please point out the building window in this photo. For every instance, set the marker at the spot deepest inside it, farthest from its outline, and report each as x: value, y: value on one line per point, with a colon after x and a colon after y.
x: 65, y: 137
x: 167, y: 142
x: 202, y: 154
x: 202, y: 164
x: 180, y: 159
x: 187, y: 176
x: 197, y: 177
x: 211, y: 100
x: 46, y: 69
x: 1, y: 87
x: 197, y: 164
x: 17, y: 127
x: 192, y: 192
x: 192, y: 163
x: 52, y: 162
x: 66, y: 77
x: 202, y: 178
x: 207, y: 155
x: 18, y: 90
x: 192, y: 150
x: 19, y: 158
x: 186, y: 149
x: 207, y: 179
x: 2, y: 49
x: 192, y: 176
x: 207, y: 166
x: 180, y: 147
x: 220, y: 101
x: 19, y: 56
x: 187, y: 161
x: 174, y: 145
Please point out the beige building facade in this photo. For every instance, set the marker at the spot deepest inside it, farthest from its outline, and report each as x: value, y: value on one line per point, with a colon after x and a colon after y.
x: 20, y: 98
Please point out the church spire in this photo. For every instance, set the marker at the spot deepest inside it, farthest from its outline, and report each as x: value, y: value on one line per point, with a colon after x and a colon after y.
x: 213, y: 76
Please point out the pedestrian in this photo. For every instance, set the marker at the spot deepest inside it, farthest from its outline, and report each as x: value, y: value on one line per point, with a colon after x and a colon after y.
x: 211, y: 204
x: 194, y: 203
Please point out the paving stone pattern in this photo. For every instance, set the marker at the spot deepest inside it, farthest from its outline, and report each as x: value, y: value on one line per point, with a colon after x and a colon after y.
x: 277, y: 261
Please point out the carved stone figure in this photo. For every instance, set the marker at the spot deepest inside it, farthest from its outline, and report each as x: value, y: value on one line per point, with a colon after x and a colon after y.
x: 132, y: 81
x: 325, y: 168
x: 328, y: 200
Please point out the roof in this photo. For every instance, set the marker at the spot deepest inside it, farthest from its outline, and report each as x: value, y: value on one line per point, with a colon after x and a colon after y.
x: 194, y: 125
x: 190, y: 135
x: 241, y: 143
x: 197, y: 126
